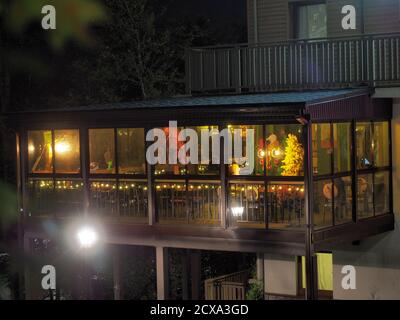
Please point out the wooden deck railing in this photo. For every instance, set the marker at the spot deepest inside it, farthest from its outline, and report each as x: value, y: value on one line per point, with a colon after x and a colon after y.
x: 227, y: 287
x: 372, y: 60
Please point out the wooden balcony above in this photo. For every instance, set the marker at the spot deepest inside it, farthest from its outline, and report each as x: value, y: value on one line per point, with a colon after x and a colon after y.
x: 367, y: 60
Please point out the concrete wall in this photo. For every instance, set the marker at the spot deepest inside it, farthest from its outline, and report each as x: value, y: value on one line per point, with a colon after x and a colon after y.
x: 377, y: 260
x: 280, y: 275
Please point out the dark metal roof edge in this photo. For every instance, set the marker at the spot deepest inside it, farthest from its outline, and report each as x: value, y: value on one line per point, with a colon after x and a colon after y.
x: 357, y: 93
x: 124, y: 105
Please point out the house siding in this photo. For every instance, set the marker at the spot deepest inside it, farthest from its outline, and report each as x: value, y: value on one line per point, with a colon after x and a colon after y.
x: 275, y: 23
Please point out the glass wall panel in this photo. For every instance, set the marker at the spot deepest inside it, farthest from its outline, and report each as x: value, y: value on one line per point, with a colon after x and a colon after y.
x: 365, y: 197
x: 67, y: 155
x: 133, y: 199
x: 171, y: 202
x: 204, y: 169
x: 102, y: 151
x: 40, y: 151
x: 322, y: 148
x: 284, y: 150
x: 103, y: 197
x: 342, y: 147
x: 168, y: 168
x: 131, y: 151
x: 324, y: 191
x: 246, y: 204
x: 258, y: 152
x: 381, y: 144
x: 68, y: 197
x: 41, y: 197
x: 204, y: 200
x: 381, y: 190
x: 343, y: 200
x: 285, y: 205
x: 364, y: 144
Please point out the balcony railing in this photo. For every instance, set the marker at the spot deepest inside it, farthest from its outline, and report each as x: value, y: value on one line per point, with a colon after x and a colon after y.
x: 372, y: 60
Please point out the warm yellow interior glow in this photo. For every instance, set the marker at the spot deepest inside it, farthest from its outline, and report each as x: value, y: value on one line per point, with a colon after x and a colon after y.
x: 62, y: 147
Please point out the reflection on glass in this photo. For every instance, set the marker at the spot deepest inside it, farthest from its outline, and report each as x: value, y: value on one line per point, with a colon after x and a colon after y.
x: 343, y: 200
x: 68, y: 197
x: 322, y: 148
x: 168, y: 168
x: 40, y: 151
x: 133, y: 199
x: 41, y: 197
x: 365, y: 207
x: 171, y: 201
x: 285, y: 205
x: 131, y: 151
x: 342, y: 147
x: 103, y: 198
x: 245, y: 166
x: 102, y: 151
x: 381, y: 190
x: 284, y: 150
x: 204, y: 169
x: 204, y: 202
x: 364, y: 145
x: 324, y: 191
x: 381, y: 144
x: 246, y: 204
x: 67, y: 155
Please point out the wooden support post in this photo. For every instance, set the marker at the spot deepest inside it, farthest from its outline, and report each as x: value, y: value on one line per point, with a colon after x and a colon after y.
x: 185, y: 275
x: 310, y: 257
x: 117, y: 273
x: 162, y: 273
x: 195, y: 270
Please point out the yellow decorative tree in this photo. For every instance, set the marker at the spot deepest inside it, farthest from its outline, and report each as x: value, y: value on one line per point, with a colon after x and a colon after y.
x: 294, y: 156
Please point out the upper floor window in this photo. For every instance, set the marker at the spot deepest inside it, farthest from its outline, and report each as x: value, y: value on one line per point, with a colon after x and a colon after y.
x: 310, y: 21
x: 131, y: 151
x: 65, y: 157
x: 102, y: 150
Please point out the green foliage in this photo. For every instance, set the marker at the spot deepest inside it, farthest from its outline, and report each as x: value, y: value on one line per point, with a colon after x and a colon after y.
x: 255, y: 291
x: 74, y: 18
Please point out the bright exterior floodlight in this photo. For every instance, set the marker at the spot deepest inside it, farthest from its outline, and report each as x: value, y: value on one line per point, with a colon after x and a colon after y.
x: 87, y: 237
x: 237, y: 211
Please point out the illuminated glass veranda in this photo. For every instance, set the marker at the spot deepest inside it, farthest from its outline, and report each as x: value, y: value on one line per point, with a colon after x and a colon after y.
x: 350, y: 165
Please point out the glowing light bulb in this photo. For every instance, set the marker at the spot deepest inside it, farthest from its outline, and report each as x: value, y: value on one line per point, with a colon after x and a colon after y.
x: 87, y: 237
x: 31, y: 148
x: 62, y: 147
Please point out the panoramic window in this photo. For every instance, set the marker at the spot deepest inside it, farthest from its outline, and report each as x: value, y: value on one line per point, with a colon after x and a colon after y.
x: 102, y: 151
x: 324, y: 192
x: 242, y: 165
x: 131, y: 151
x: 284, y: 150
x: 67, y: 151
x: 40, y: 151
x: 168, y: 168
x: 364, y: 145
x: 171, y: 201
x: 381, y: 144
x: 246, y: 204
x: 132, y: 198
x: 342, y: 147
x: 204, y: 200
x: 285, y: 205
x: 322, y: 148
x: 373, y: 161
x: 103, y: 197
x: 204, y: 169
x: 310, y: 21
